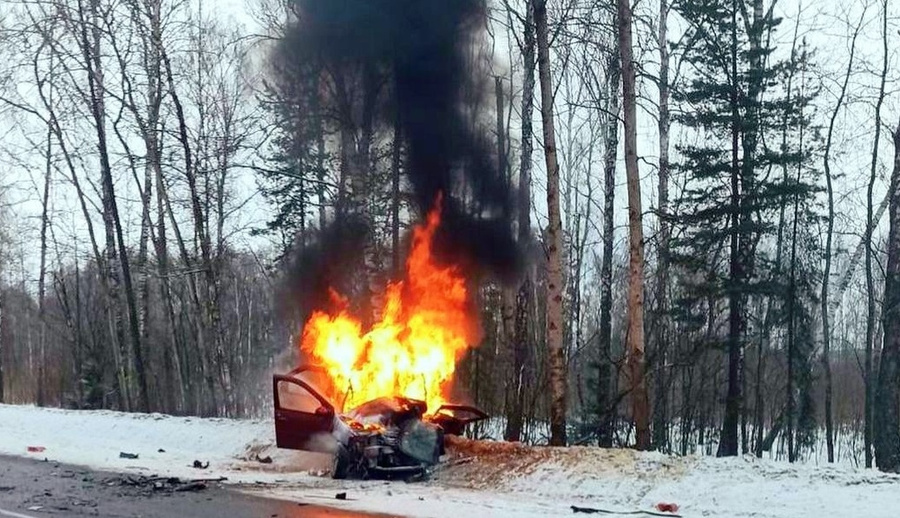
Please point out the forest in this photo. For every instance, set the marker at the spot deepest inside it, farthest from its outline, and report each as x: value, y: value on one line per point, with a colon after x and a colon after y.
x: 683, y: 216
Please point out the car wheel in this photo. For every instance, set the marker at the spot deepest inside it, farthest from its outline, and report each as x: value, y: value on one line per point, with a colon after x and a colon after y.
x: 340, y: 467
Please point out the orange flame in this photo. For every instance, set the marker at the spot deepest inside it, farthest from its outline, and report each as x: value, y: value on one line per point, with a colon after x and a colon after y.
x: 426, y: 327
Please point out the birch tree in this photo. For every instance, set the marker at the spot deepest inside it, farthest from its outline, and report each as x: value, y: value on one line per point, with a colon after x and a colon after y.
x: 554, y: 237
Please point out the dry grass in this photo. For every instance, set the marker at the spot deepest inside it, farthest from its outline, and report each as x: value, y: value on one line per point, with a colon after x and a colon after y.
x: 484, y: 464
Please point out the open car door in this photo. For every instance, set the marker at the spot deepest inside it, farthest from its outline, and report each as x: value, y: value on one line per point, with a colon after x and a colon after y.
x: 304, y: 419
x: 454, y: 418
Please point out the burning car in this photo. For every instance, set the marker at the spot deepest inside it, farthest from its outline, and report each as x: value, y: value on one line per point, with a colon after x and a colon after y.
x: 388, y: 437
x: 375, y: 394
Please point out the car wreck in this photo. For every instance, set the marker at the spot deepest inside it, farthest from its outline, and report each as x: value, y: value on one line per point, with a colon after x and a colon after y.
x: 388, y: 437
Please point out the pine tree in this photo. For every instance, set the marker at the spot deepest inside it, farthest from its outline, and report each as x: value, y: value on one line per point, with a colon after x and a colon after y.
x: 294, y: 179
x: 734, y: 98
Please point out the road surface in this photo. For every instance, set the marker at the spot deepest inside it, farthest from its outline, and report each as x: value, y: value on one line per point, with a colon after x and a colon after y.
x: 35, y: 489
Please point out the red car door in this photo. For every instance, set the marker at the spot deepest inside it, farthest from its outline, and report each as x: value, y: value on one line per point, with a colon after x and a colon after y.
x: 304, y: 419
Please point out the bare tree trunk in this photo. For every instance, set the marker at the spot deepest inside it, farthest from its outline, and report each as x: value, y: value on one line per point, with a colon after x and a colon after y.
x: 728, y: 444
x: 107, y: 290
x: 887, y: 416
x: 660, y: 401
x: 360, y: 183
x: 396, y: 153
x: 606, y: 397
x: 765, y: 333
x: 501, y: 131
x: 346, y: 170
x: 508, y: 291
x: 2, y: 343
x: 524, y: 303
x: 870, y: 283
x: 826, y: 275
x: 145, y: 190
x: 173, y: 392
x: 759, y: 401
x: 210, y: 403
x: 175, y: 395
x: 635, y: 337
x: 557, y: 360
x: 118, y: 262
x: 42, y: 273
x: 320, y: 147
x: 507, y: 299
x: 792, y: 309
x: 790, y: 400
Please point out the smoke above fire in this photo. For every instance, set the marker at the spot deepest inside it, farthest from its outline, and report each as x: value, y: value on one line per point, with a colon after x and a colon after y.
x: 426, y: 54
x: 427, y: 51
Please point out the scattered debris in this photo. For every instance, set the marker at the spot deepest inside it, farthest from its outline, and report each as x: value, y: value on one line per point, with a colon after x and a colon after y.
x: 594, y: 510
x: 191, y: 486
x: 36, y: 449
x: 341, y: 496
x: 200, y: 465
x: 664, y: 507
x: 157, y: 484
x: 264, y: 460
x: 126, y: 455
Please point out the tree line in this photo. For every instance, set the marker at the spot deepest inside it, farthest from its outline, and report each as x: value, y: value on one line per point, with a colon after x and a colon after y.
x: 711, y: 252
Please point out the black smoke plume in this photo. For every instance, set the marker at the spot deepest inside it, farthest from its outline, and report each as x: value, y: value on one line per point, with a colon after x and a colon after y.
x: 426, y: 49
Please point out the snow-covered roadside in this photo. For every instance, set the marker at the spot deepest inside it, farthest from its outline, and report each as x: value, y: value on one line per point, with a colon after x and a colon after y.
x: 495, y: 480
x: 164, y: 444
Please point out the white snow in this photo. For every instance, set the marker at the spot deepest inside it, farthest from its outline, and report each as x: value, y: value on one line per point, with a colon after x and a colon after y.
x: 498, y: 481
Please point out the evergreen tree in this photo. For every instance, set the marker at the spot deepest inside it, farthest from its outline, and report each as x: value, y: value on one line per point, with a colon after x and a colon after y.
x: 735, y: 100
x: 295, y: 179
x: 801, y: 144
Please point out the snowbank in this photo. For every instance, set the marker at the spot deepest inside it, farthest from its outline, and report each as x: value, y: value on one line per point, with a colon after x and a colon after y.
x: 479, y: 479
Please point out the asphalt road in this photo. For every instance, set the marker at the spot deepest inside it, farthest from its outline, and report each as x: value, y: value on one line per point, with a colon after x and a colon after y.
x: 35, y: 489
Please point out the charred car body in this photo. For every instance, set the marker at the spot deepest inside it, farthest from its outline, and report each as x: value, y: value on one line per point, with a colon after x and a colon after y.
x: 389, y: 437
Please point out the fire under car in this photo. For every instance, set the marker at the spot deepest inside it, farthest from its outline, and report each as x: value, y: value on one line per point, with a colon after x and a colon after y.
x: 389, y: 437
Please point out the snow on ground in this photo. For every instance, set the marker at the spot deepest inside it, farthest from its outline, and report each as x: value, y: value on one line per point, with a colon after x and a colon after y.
x: 479, y: 478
